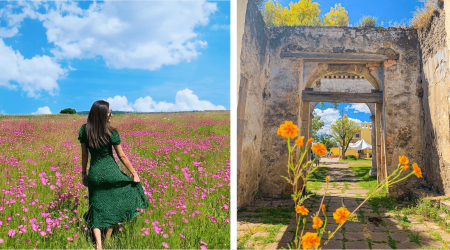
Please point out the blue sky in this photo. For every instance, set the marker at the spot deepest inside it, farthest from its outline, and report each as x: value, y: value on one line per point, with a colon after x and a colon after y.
x: 138, y: 55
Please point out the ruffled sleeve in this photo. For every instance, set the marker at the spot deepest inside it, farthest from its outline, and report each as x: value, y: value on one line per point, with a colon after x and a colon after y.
x: 82, y: 137
x: 115, y: 138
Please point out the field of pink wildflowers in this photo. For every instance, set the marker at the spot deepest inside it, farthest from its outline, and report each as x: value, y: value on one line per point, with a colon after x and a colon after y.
x: 182, y: 160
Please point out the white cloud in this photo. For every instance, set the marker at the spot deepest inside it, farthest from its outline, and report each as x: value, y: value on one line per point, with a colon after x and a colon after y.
x: 42, y: 111
x: 220, y: 27
x: 359, y: 107
x: 328, y: 116
x: 127, y: 34
x: 39, y: 73
x: 119, y: 103
x: 185, y: 100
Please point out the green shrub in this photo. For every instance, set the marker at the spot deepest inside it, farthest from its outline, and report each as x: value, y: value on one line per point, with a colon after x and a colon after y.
x: 68, y: 111
x: 367, y: 21
x: 350, y: 157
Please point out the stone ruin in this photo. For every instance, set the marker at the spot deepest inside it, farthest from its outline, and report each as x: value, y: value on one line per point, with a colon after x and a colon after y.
x: 402, y: 74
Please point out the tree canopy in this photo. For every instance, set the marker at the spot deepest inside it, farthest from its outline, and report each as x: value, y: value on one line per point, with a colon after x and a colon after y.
x: 68, y: 111
x: 303, y: 12
x: 344, y: 136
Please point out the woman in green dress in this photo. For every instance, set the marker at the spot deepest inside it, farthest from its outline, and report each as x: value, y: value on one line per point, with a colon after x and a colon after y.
x: 113, y: 196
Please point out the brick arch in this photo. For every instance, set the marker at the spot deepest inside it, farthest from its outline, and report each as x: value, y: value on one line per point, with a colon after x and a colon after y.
x: 325, y: 69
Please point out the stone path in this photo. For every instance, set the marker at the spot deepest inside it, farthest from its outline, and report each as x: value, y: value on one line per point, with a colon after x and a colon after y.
x: 270, y: 224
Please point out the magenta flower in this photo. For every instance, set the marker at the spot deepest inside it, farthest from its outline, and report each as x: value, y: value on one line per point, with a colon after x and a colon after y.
x: 164, y: 244
x: 225, y: 206
x: 182, y: 236
x: 165, y: 236
x: 157, y: 229
x: 2, y: 208
x: 75, y: 235
x: 1, y: 241
x: 203, y: 248
x: 27, y: 240
x: 11, y: 232
x: 43, y: 233
x: 9, y: 218
x: 24, y: 209
x: 1, y: 222
x: 184, y: 220
x: 202, y: 242
x: 69, y: 238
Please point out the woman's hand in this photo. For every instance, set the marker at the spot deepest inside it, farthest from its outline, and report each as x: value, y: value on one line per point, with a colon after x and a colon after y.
x: 85, y: 181
x: 136, y: 178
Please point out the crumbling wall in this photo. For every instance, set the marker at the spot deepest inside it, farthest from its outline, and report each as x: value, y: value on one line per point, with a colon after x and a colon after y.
x: 251, y: 103
x: 436, y: 89
x: 399, y: 79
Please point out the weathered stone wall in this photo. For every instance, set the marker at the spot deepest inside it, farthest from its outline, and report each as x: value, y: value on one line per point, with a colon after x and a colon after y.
x: 343, y: 85
x: 251, y: 103
x: 436, y: 102
x: 399, y: 80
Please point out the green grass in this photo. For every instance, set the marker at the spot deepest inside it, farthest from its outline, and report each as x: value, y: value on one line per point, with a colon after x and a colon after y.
x: 316, y: 179
x: 356, y: 160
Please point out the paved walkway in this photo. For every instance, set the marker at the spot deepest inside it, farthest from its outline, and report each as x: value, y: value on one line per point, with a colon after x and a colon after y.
x: 270, y: 224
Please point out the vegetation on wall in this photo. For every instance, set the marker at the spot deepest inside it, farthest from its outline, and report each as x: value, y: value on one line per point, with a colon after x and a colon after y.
x: 303, y: 12
x: 422, y: 15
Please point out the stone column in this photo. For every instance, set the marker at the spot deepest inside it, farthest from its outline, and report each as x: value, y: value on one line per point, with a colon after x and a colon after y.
x: 373, y: 170
x: 305, y: 129
x: 378, y: 117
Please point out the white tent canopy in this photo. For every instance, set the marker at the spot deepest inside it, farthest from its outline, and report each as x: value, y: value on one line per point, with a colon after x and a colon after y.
x: 360, y: 145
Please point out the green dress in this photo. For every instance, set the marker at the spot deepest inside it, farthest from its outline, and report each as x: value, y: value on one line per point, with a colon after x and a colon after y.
x: 113, y: 196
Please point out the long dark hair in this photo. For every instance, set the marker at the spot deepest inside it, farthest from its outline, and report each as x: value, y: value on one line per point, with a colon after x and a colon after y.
x: 98, y: 129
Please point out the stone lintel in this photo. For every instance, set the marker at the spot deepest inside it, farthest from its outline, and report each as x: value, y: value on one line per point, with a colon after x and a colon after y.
x: 316, y: 96
x: 338, y: 57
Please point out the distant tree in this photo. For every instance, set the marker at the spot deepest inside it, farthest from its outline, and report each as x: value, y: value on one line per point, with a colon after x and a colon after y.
x: 68, y: 111
x: 303, y: 12
x: 344, y: 134
x: 326, y: 140
x: 317, y: 125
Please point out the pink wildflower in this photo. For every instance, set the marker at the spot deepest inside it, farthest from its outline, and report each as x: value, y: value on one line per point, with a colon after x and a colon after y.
x: 164, y: 244
x: 43, y: 233
x: 9, y: 218
x: 202, y: 242
x: 203, y: 248
x: 182, y: 236
x: 11, y: 232
x: 184, y: 220
x: 225, y: 206
x: 69, y: 238
x: 1, y: 241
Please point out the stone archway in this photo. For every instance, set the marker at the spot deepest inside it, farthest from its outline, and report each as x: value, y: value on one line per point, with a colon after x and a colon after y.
x: 325, y: 69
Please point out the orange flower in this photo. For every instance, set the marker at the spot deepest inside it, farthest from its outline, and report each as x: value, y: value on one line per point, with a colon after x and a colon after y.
x: 317, y: 222
x: 301, y: 210
x: 417, y: 170
x: 323, y: 207
x: 310, y: 140
x: 319, y: 149
x: 403, y: 160
x: 310, y: 240
x: 278, y: 131
x: 405, y: 167
x: 328, y: 179
x: 341, y: 215
x: 299, y: 141
x: 289, y: 130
